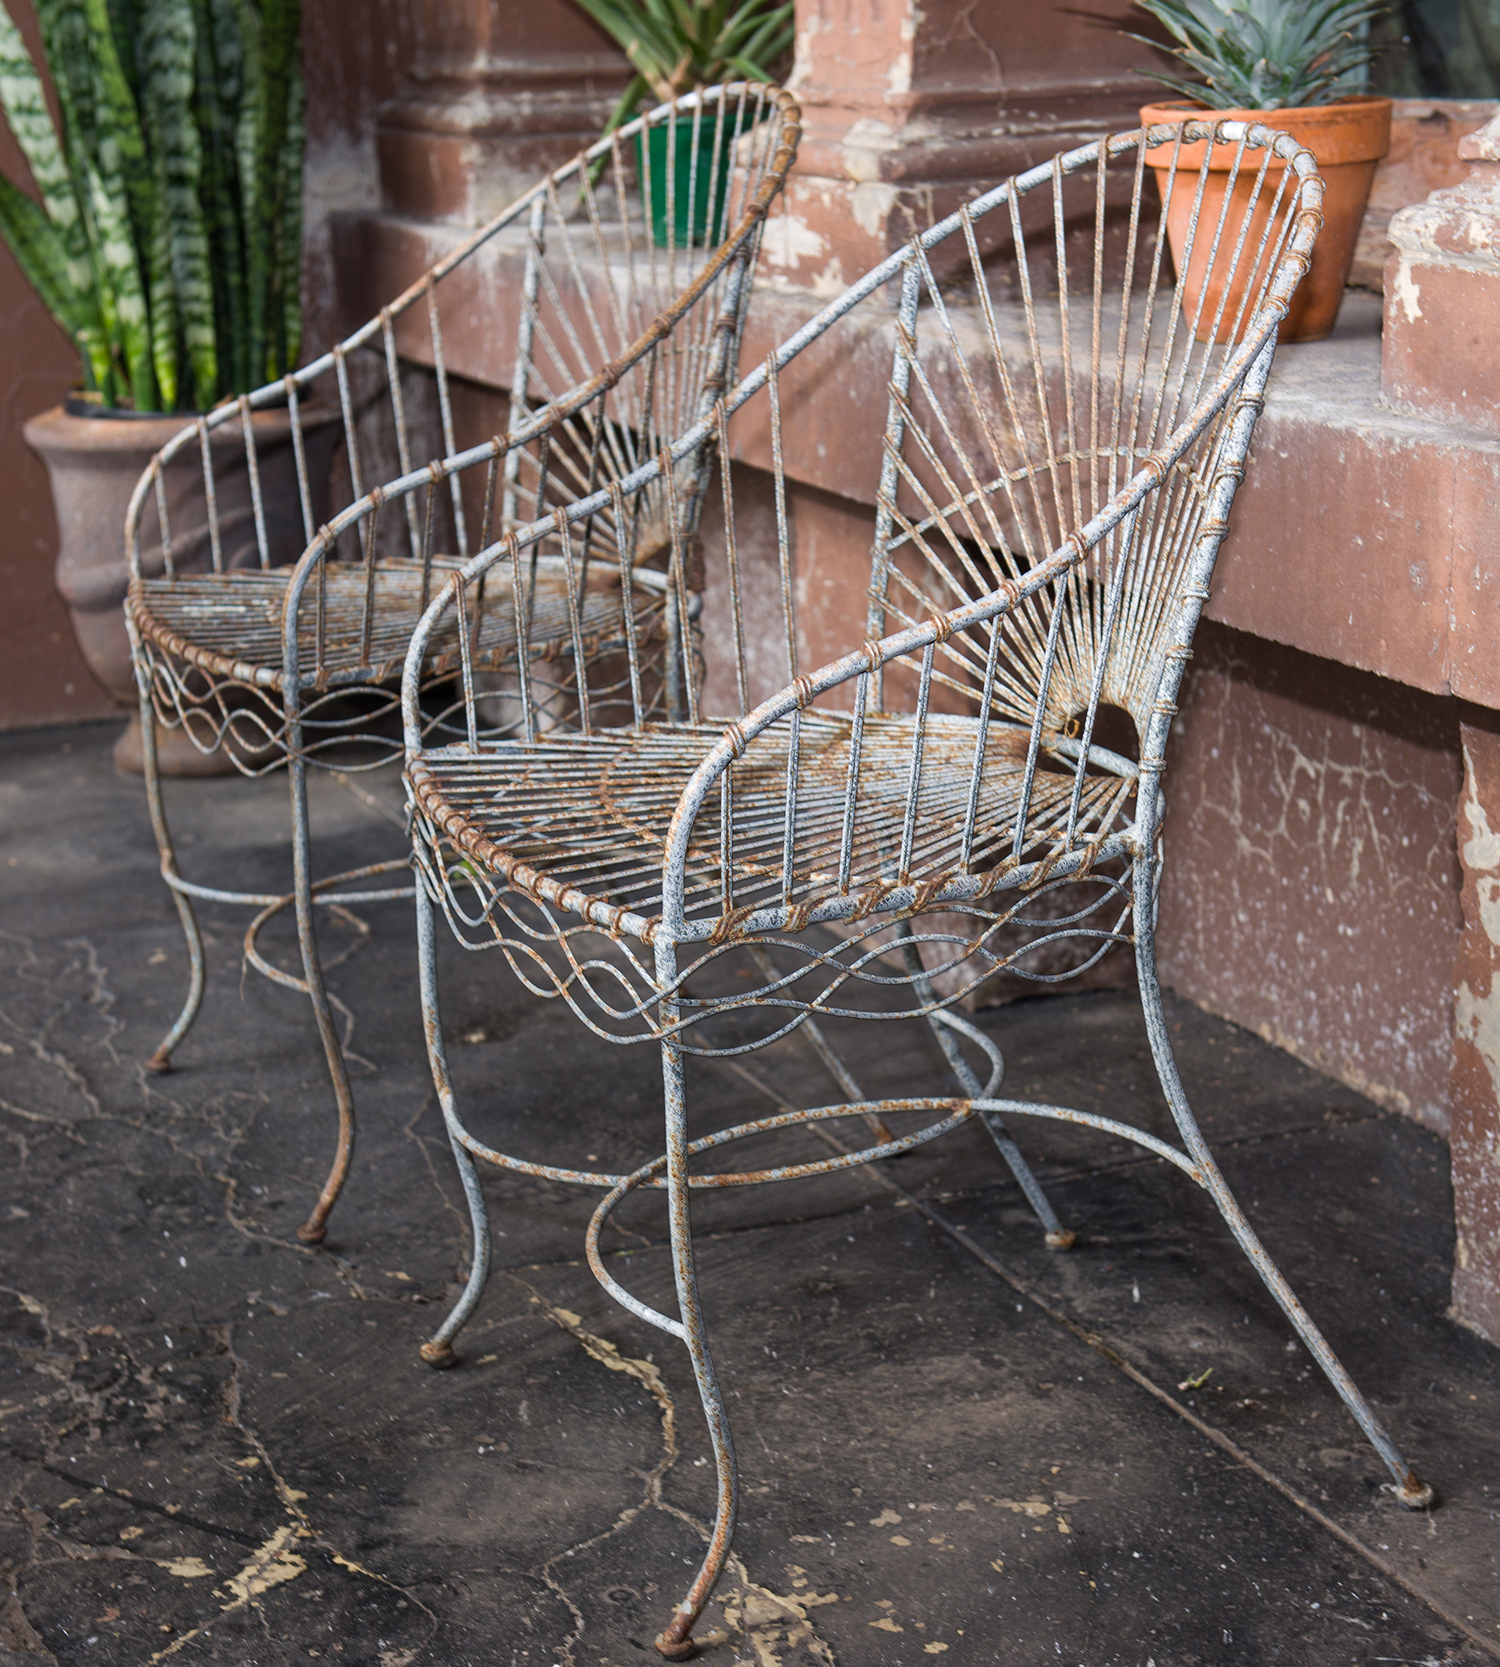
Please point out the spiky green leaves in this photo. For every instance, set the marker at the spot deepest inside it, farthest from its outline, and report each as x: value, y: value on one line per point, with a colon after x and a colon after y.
x: 1265, y: 54
x: 172, y: 161
x: 676, y: 45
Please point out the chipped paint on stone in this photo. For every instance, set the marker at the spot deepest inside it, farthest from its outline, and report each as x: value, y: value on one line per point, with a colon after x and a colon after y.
x: 1408, y: 292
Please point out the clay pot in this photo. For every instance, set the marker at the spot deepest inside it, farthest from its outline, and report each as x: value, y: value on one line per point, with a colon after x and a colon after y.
x: 1348, y: 138
x: 94, y: 462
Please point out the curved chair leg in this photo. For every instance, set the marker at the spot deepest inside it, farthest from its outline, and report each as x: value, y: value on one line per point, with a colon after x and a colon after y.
x: 675, y: 1641
x: 161, y: 1060
x: 1058, y: 1237
x: 1410, y: 1490
x: 438, y: 1350
x: 315, y: 1228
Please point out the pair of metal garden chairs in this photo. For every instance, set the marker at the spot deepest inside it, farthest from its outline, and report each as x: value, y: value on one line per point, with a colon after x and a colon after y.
x: 1053, y: 471
x: 603, y: 792
x: 621, y: 289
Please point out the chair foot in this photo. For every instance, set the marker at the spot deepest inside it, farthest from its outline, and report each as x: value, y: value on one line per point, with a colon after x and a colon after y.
x: 676, y: 1642
x: 1063, y: 1239
x: 440, y: 1356
x: 1415, y: 1494
x: 160, y: 1062
x: 313, y: 1232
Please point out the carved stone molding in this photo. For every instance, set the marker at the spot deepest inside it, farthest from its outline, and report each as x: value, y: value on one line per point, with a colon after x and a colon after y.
x: 1441, y: 345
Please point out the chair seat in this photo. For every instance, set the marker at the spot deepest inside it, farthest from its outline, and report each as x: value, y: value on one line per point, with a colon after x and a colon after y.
x: 581, y: 821
x: 230, y: 624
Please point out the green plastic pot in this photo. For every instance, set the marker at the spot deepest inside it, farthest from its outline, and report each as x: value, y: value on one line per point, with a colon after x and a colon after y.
x: 701, y: 156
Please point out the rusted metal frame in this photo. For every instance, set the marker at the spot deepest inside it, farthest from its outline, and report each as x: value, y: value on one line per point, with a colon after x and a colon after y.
x: 981, y: 742
x: 789, y: 803
x: 959, y: 501
x: 1123, y: 533
x: 398, y: 414
x: 445, y: 412
x: 851, y: 785
x: 1008, y: 395
x: 299, y: 453
x: 438, y: 1350
x: 943, y: 1026
x: 252, y: 465
x: 1065, y: 325
x: 885, y: 492
x: 626, y: 548
x: 674, y: 1641
x: 519, y: 393
x: 1050, y: 534
x: 732, y: 557
x: 1034, y: 740
x: 424, y: 553
x: 346, y: 411
x: 624, y: 331
x: 275, y: 906
x: 914, y: 778
x: 367, y: 613
x: 977, y: 494
x: 161, y: 1059
x: 210, y: 495
x: 512, y: 549
x: 575, y: 628
x: 570, y: 333
x: 466, y: 657
x: 677, y: 584
x: 160, y: 485
x: 1042, y: 574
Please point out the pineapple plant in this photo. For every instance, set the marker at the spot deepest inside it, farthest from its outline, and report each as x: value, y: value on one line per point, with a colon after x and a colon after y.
x: 1265, y: 54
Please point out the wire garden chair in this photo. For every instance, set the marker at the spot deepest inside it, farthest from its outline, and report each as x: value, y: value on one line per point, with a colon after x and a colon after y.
x: 256, y: 631
x: 1063, y: 440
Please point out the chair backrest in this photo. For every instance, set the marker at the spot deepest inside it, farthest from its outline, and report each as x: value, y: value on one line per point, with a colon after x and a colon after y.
x: 553, y: 293
x: 1063, y: 435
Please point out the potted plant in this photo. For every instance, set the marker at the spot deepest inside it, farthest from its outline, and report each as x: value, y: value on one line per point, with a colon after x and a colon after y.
x: 167, y: 243
x: 1294, y: 66
x: 674, y: 46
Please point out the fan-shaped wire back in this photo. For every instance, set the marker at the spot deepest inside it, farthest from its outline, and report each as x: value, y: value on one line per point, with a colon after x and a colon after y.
x: 1055, y: 465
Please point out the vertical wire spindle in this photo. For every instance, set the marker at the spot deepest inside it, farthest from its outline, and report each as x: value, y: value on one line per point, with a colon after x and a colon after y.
x: 367, y: 611
x: 169, y: 563
x: 445, y: 413
x: 783, y: 528
x: 851, y: 782
x: 465, y: 659
x: 885, y: 498
x: 575, y: 628
x: 914, y: 779
x: 732, y: 561
x: 299, y: 454
x: 981, y: 742
x: 625, y: 550
x: 789, y: 820
x: 252, y: 465
x: 211, y: 496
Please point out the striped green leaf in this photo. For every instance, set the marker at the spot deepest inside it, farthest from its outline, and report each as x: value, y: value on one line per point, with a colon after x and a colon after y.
x: 168, y: 56
x: 39, y: 252
x: 123, y: 298
x: 30, y: 121
x: 121, y: 151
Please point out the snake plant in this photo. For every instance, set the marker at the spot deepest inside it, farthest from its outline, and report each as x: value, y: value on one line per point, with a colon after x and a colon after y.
x: 676, y: 45
x: 1265, y: 54
x: 168, y: 239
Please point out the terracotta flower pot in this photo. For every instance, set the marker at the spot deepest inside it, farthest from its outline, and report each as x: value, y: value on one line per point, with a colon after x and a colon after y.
x: 94, y: 462
x: 1348, y: 138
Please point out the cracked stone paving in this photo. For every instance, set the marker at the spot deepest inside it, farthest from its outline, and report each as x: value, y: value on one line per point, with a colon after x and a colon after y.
x: 221, y: 1446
